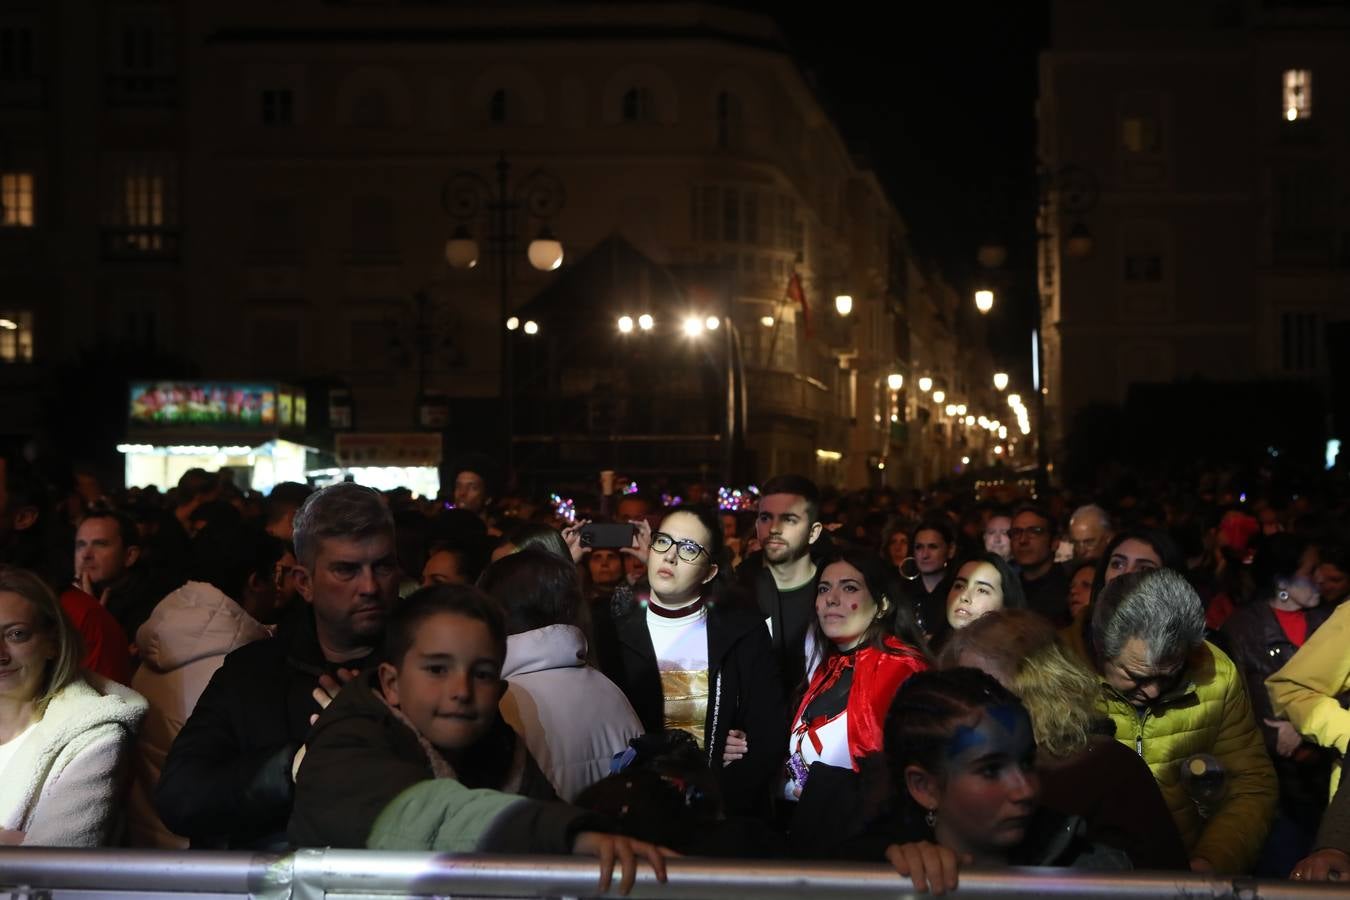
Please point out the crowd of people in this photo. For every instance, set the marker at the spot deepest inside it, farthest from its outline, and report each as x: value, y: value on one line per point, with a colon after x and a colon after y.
x: 1147, y: 679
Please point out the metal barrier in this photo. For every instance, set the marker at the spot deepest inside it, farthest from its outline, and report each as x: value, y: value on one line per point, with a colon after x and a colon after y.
x: 60, y: 874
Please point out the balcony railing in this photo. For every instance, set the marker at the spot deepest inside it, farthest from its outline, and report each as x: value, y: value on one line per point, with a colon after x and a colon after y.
x: 57, y: 873
x: 141, y: 243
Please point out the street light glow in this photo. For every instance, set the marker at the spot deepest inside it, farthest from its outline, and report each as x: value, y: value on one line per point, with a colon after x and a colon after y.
x: 626, y: 324
x: 939, y: 396
x: 950, y: 409
x: 998, y: 450
x: 984, y: 301
x: 925, y: 384
x: 712, y: 322
x: 1000, y: 380
x: 766, y: 321
x: 693, y: 326
x: 531, y: 327
x: 960, y: 409
x: 1014, y: 400
x: 646, y: 322
x: 970, y: 420
x: 512, y: 323
x: 895, y: 381
x: 844, y: 304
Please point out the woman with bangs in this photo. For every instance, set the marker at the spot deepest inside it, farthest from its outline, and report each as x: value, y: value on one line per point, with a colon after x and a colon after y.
x: 1084, y: 770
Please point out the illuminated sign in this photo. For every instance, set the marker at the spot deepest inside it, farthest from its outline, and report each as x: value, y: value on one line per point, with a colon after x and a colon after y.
x: 196, y: 404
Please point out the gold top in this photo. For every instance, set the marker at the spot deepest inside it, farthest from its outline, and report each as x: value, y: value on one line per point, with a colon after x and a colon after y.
x: 686, y: 695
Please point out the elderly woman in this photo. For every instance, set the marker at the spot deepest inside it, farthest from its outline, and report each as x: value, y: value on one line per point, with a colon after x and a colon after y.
x: 1175, y: 700
x: 64, y: 733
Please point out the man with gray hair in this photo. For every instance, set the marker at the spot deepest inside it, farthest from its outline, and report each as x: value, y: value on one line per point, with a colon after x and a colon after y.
x: 1180, y: 703
x: 226, y: 782
x: 1090, y: 531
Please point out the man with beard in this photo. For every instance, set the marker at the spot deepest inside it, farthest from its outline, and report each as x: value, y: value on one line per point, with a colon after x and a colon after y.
x: 227, y: 779
x: 787, y: 525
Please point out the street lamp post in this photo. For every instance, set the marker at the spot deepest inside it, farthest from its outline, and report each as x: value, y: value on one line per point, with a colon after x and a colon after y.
x: 538, y: 196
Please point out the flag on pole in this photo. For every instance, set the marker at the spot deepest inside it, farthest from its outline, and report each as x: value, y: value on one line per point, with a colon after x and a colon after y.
x: 798, y: 296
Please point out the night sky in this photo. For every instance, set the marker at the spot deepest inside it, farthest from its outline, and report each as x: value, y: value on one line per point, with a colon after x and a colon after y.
x: 941, y: 99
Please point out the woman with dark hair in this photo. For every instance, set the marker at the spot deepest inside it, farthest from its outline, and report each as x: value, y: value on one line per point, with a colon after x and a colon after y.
x: 1263, y: 635
x: 982, y: 585
x: 692, y: 659
x: 573, y: 719
x: 533, y: 536
x: 933, y: 545
x: 961, y: 752
x: 865, y: 646
x: 65, y: 734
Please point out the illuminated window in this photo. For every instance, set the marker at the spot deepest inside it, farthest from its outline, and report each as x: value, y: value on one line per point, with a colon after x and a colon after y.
x: 1139, y: 134
x: 16, y: 199
x: 16, y: 336
x: 140, y: 215
x: 1297, y: 94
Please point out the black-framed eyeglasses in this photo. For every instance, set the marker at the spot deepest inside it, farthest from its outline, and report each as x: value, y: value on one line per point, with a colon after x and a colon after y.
x: 1032, y: 530
x: 689, y: 551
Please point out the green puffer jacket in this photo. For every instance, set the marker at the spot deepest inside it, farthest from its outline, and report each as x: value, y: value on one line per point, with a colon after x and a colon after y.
x: 1207, y: 713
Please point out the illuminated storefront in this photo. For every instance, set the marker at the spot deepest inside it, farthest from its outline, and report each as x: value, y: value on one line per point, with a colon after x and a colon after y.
x: 255, y: 429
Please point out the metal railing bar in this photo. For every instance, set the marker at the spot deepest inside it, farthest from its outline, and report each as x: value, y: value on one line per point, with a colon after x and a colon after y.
x: 350, y: 873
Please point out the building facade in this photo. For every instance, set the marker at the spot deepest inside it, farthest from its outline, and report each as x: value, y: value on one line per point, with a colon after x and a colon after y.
x: 265, y: 191
x: 1193, y: 156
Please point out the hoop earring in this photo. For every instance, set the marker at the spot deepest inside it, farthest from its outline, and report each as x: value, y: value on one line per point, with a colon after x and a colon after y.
x: 1283, y: 595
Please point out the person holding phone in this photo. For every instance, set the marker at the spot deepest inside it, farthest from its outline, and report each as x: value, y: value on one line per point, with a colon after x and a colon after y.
x: 691, y: 658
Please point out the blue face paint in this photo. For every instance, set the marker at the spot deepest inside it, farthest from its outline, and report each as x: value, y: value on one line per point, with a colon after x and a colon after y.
x: 1007, y: 716
x: 969, y: 737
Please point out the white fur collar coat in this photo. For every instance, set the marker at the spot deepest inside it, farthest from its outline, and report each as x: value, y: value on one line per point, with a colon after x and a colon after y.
x: 62, y: 785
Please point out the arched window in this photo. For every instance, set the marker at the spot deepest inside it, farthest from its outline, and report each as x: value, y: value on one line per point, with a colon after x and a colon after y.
x: 636, y: 105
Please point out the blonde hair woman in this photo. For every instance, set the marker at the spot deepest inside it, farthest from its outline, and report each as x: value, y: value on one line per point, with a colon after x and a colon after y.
x: 1084, y: 770
x: 64, y: 733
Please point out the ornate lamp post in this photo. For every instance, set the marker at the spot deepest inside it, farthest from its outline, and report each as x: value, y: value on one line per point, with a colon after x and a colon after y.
x: 539, y: 196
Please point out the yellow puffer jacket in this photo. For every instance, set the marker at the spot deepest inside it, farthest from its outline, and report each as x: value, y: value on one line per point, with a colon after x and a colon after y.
x: 1308, y: 688
x: 1208, y: 713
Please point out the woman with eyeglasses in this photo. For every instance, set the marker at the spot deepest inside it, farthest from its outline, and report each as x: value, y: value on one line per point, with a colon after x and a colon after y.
x: 692, y: 658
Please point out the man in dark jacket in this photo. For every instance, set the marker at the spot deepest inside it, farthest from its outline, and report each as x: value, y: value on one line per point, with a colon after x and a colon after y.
x: 788, y: 526
x: 227, y: 779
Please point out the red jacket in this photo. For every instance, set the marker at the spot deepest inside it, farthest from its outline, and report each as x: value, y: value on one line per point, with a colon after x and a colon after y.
x: 877, y: 675
x: 106, y: 648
